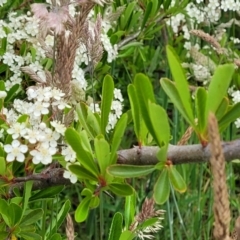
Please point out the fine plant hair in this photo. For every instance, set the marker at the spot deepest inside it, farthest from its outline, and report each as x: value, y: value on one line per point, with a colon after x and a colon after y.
x: 221, y: 200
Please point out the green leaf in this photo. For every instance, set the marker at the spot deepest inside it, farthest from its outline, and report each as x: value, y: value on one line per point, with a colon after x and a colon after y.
x: 94, y: 202
x: 127, y: 235
x: 181, y: 81
x: 176, y: 179
x: 58, y: 220
x: 131, y: 44
x: 170, y: 89
x: 222, y: 109
x: 116, y: 227
x: 162, y: 188
x: 145, y: 94
x: 23, y: 118
x: 3, y: 166
x: 102, y: 151
x: 121, y: 189
x: 130, y: 207
x: 47, y: 193
x: 200, y: 102
x: 82, y: 172
x: 159, y: 120
x: 93, y: 123
x: 149, y: 222
x: 139, y: 125
x: 147, y: 14
x: 56, y: 236
x: 82, y: 112
x: 129, y: 171
x: 14, y: 213
x: 85, y: 141
x: 4, y: 206
x: 107, y: 97
x: 125, y: 18
x: 85, y: 158
x: 218, y: 87
x: 87, y: 192
x: 30, y: 236
x: 27, y: 194
x: 229, y: 117
x: 117, y: 136
x: 82, y: 210
x: 162, y: 156
x: 31, y: 217
x: 12, y: 93
x: 3, y: 235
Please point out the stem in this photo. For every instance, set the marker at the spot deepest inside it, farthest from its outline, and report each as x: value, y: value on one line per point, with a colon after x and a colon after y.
x: 101, y: 216
x: 44, y: 207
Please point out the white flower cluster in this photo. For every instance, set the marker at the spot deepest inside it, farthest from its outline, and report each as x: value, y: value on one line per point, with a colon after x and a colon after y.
x: 116, y: 109
x: 235, y: 94
x: 40, y: 141
x: 40, y: 138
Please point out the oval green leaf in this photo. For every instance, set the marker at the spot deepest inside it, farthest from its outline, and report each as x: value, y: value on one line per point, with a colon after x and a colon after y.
x: 162, y: 188
x: 121, y: 189
x: 129, y: 171
x: 116, y: 227
x: 82, y: 210
x: 176, y: 179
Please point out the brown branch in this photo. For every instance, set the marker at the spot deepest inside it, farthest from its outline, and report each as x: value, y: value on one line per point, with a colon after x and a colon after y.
x: 177, y: 154
x: 145, y: 155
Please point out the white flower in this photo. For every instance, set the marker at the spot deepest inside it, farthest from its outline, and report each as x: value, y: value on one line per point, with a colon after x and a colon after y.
x: 57, y: 94
x: 95, y: 107
x: 17, y: 130
x: 43, y: 154
x: 59, y: 127
x: 39, y: 108
x: 237, y: 123
x: 61, y: 104
x: 118, y: 94
x: 33, y: 135
x: 236, y: 96
x: 68, y: 175
x: 69, y: 154
x: 2, y: 2
x: 15, y: 151
x: 117, y: 107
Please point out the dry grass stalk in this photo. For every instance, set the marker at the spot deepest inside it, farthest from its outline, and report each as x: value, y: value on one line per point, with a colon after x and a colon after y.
x: 69, y: 228
x: 236, y: 231
x: 208, y: 38
x: 186, y: 136
x: 221, y: 202
x: 92, y: 41
x: 66, y: 49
